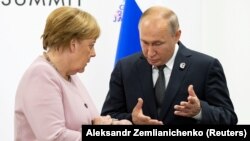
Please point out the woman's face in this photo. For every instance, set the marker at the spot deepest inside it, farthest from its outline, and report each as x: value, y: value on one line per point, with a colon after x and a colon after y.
x: 83, y: 50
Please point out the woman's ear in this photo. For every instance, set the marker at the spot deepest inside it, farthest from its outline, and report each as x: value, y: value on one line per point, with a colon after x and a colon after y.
x: 73, y: 45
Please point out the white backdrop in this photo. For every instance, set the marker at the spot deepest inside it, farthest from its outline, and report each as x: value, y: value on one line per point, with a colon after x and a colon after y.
x: 218, y: 28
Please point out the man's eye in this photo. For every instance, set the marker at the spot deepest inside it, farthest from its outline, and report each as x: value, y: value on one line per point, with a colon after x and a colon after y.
x: 157, y: 44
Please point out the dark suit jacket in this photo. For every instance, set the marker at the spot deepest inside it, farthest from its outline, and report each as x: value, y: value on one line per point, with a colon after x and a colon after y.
x: 132, y: 78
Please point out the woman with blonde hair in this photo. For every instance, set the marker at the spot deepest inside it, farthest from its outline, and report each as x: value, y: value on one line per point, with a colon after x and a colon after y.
x: 51, y: 101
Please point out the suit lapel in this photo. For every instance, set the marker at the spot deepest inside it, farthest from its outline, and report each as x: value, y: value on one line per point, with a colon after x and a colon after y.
x: 176, y: 79
x: 146, y: 82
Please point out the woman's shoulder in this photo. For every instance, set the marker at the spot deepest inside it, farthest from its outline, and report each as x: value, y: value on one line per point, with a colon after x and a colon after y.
x: 40, y: 69
x: 40, y: 66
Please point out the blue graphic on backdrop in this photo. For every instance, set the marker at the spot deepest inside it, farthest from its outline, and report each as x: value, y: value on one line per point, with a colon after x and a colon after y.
x: 119, y: 13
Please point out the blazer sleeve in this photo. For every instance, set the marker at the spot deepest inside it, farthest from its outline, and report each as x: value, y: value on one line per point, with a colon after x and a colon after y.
x: 217, y: 108
x: 115, y: 104
x: 44, y: 109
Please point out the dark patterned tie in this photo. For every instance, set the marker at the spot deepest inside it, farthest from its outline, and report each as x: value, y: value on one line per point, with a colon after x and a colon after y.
x: 160, y: 87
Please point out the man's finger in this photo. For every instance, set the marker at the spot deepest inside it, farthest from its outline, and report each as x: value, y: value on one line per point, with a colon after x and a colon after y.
x: 139, y: 104
x: 191, y: 91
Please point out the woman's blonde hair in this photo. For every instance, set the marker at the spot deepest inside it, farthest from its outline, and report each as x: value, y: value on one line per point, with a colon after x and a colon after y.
x: 66, y: 23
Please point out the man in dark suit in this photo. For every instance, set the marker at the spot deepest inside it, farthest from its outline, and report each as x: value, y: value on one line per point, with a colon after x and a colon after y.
x: 196, y: 90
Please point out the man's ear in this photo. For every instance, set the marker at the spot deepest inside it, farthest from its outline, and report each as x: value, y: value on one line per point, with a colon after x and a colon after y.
x: 178, y: 35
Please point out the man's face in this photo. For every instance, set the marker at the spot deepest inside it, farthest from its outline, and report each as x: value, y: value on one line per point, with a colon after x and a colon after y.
x: 157, y: 42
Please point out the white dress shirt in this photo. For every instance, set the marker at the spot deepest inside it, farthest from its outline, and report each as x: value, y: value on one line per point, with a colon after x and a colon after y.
x: 167, y: 70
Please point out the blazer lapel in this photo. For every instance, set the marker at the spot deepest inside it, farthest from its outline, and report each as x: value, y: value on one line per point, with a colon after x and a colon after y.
x: 180, y: 68
x: 146, y: 82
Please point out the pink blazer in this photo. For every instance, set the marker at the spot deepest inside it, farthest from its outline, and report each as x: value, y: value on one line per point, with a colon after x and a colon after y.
x: 49, y: 108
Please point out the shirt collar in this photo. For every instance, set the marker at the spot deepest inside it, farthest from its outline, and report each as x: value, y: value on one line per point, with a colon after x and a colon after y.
x: 170, y: 63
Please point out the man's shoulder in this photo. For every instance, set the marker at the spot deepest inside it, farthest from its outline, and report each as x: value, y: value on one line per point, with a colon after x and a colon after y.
x: 197, y: 55
x: 132, y: 58
x: 201, y: 55
x: 191, y: 52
